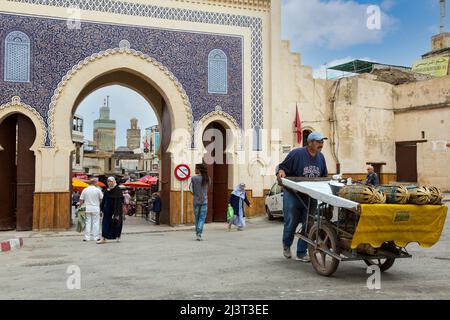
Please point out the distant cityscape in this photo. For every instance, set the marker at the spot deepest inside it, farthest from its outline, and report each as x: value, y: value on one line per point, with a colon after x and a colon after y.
x: 101, y: 156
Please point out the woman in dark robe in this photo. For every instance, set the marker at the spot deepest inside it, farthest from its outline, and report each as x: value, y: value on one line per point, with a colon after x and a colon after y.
x: 112, y: 208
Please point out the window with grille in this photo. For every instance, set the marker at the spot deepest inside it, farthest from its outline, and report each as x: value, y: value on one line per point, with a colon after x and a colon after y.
x: 217, y: 72
x: 17, y: 57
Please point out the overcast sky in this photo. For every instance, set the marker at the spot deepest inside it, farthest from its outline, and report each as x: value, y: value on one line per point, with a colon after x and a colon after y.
x: 324, y: 32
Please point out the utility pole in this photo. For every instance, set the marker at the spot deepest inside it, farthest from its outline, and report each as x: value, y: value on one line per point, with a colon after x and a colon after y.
x: 442, y: 2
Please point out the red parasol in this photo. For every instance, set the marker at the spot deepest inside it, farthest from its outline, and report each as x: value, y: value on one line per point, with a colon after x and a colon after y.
x: 149, y: 180
x: 137, y: 184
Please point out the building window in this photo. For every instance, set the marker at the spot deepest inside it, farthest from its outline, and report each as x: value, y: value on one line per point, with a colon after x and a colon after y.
x: 77, y: 124
x: 17, y: 57
x: 217, y: 72
x: 78, y: 154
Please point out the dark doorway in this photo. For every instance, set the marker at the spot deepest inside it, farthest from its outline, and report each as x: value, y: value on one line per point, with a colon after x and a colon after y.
x: 17, y: 173
x: 406, y: 157
x: 377, y: 167
x: 214, y: 140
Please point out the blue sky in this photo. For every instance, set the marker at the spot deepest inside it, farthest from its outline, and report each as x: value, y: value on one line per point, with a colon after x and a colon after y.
x: 334, y: 30
x: 323, y: 31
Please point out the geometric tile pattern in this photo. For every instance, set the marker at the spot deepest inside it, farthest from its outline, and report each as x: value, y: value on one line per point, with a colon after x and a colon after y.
x: 56, y: 49
x: 145, y: 10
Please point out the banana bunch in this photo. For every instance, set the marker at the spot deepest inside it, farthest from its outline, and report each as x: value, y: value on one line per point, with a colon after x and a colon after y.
x: 436, y: 196
x: 362, y: 194
x: 419, y: 195
x: 395, y: 194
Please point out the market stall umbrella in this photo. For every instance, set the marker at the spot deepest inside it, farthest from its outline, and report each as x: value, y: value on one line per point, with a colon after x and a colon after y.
x: 101, y: 184
x: 79, y: 185
x: 149, y: 180
x: 137, y: 184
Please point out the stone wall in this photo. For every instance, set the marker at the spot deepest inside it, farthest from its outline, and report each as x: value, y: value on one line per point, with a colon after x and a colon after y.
x: 422, y: 112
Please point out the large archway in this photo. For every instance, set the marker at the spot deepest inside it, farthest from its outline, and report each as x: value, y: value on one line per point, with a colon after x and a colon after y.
x: 138, y: 72
x: 158, y: 106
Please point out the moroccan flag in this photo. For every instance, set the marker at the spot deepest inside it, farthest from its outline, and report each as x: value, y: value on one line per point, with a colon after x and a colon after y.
x: 298, y: 126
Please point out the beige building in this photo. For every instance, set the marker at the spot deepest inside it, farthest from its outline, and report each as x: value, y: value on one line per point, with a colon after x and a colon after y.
x: 402, y: 129
x: 152, y: 152
x: 242, y: 78
x: 78, y: 140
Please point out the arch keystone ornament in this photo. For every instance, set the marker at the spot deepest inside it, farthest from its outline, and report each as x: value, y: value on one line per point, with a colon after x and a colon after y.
x: 17, y: 106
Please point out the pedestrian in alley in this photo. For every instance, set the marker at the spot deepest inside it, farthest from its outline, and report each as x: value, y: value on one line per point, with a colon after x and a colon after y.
x: 112, y: 208
x: 92, y: 197
x: 126, y: 202
x: 372, y: 177
x: 157, y: 207
x: 199, y: 187
x: 237, y: 200
x: 75, y: 198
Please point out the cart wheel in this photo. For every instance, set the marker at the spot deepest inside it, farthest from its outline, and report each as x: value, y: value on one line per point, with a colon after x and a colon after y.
x: 324, y: 264
x: 383, y: 264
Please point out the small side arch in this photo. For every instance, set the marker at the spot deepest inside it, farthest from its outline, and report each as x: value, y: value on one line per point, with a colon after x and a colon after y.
x: 227, y: 121
x: 17, y: 106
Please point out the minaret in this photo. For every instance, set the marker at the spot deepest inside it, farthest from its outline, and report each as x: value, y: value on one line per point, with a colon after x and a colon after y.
x: 133, y: 135
x: 105, y: 129
x: 442, y: 2
x: 105, y: 111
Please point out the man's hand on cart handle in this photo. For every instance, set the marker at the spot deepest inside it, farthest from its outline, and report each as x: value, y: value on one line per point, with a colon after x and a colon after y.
x: 281, y: 174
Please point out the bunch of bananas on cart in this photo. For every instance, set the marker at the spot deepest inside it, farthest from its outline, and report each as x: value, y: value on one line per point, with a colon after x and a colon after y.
x: 392, y: 194
x: 362, y: 194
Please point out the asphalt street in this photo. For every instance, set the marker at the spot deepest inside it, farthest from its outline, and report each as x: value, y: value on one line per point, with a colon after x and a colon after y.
x: 227, y: 265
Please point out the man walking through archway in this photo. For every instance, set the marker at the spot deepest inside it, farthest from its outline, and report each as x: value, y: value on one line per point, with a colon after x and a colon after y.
x: 92, y: 197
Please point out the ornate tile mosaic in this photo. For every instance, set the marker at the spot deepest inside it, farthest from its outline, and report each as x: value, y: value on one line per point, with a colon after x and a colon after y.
x: 139, y: 9
x: 55, y: 49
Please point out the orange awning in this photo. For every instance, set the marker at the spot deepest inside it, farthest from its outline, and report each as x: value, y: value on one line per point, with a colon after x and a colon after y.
x: 137, y: 184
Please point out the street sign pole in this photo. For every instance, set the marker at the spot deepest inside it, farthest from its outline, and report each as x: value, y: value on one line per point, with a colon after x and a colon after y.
x: 182, y: 202
x: 182, y: 173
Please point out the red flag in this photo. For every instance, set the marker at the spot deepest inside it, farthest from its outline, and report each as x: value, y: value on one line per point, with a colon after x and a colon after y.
x: 298, y: 126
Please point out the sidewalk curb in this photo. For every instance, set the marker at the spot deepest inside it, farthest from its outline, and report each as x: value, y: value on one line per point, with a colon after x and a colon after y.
x: 64, y: 234
x: 10, y: 245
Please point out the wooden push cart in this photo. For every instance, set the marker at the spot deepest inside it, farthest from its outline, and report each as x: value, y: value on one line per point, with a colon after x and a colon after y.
x: 342, y: 230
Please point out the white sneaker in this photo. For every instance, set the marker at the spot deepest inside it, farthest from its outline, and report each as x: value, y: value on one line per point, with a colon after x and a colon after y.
x: 304, y: 258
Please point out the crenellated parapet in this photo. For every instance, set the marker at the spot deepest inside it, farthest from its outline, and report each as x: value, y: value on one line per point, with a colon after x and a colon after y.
x: 240, y: 4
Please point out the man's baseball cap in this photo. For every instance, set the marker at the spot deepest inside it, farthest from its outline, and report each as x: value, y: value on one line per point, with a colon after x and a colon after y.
x: 316, y: 136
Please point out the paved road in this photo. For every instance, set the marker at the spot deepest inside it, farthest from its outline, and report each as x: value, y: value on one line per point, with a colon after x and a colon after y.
x: 228, y: 265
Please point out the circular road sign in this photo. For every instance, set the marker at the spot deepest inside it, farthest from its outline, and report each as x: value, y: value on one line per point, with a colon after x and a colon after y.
x: 182, y: 172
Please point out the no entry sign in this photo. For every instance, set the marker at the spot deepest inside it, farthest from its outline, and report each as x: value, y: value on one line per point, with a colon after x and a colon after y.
x: 182, y: 172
